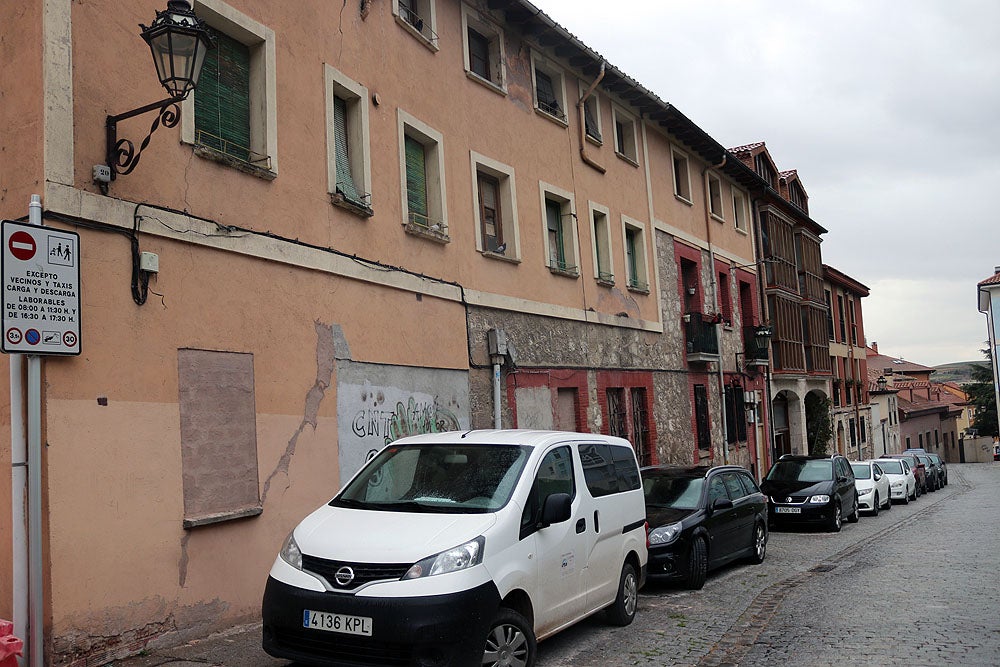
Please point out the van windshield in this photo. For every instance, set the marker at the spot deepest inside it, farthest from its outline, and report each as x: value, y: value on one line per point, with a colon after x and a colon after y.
x: 463, y: 479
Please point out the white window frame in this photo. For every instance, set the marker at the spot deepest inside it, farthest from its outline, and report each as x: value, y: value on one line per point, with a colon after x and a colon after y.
x: 263, y: 84
x: 555, y: 73
x: 601, y: 237
x: 595, y: 101
x: 508, y: 202
x: 571, y: 249
x: 685, y: 178
x: 640, y: 281
x: 476, y: 20
x: 437, y: 209
x: 630, y: 146
x: 713, y: 197
x: 740, y: 212
x: 428, y: 36
x: 338, y: 84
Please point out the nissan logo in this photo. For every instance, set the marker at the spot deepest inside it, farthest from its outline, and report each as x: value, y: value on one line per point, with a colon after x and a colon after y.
x: 344, y: 576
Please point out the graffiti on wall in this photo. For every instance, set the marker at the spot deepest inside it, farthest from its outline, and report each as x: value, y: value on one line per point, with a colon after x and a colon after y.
x: 373, y: 412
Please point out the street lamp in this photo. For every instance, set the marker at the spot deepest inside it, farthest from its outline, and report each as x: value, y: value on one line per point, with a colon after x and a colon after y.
x: 178, y: 41
x: 881, y: 383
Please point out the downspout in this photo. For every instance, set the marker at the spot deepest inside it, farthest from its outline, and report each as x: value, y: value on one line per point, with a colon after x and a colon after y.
x: 765, y: 317
x: 581, y: 112
x: 714, y: 282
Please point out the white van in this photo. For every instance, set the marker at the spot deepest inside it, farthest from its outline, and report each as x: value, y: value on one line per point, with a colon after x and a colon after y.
x: 460, y: 549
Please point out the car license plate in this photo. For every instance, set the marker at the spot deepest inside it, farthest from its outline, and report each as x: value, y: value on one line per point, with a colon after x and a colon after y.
x: 788, y: 510
x: 349, y: 625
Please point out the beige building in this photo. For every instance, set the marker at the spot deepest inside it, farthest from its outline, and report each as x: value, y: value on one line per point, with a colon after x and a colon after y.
x: 363, y: 213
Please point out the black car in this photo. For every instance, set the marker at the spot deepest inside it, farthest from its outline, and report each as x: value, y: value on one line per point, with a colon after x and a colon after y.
x: 701, y: 518
x: 811, y: 489
x: 942, y: 468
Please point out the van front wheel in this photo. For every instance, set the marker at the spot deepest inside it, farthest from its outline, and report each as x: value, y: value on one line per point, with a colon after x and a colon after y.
x: 510, y: 641
x: 622, y: 610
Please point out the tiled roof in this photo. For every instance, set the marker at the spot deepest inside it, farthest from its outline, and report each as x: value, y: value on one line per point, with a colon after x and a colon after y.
x: 880, y: 361
x: 993, y: 280
x: 788, y: 174
x: 747, y: 148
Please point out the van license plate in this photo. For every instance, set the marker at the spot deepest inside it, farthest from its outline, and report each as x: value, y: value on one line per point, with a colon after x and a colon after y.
x: 788, y: 510
x: 349, y: 625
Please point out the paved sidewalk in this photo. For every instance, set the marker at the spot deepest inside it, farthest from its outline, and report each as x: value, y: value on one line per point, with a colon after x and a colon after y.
x: 237, y: 646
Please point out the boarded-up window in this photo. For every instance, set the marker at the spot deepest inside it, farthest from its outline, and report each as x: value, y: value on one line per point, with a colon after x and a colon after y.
x: 218, y: 436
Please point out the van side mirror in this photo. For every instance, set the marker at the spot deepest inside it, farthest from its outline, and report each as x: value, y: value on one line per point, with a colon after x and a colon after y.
x: 722, y: 504
x: 558, y: 507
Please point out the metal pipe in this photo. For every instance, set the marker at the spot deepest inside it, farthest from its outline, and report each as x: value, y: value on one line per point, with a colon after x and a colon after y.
x: 496, y: 393
x: 714, y: 283
x: 36, y: 602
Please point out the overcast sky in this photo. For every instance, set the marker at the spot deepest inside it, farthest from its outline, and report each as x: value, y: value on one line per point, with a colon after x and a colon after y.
x: 888, y: 109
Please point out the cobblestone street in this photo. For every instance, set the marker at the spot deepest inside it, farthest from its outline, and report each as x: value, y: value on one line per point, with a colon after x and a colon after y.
x: 917, y: 585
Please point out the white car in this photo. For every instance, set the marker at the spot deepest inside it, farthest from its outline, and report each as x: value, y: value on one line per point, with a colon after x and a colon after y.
x: 902, y: 483
x: 872, y: 485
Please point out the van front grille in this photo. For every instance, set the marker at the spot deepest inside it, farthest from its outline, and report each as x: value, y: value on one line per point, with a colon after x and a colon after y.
x: 364, y: 573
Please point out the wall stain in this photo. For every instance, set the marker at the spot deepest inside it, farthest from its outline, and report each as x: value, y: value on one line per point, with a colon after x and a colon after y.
x: 325, y: 364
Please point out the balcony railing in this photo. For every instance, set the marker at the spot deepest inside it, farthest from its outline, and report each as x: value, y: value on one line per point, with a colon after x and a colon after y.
x: 700, y: 337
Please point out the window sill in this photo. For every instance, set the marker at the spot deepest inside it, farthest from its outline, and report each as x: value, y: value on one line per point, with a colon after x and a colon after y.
x: 340, y: 201
x: 683, y: 199
x: 741, y: 230
x: 568, y: 272
x: 632, y: 161
x: 606, y: 282
x: 558, y: 120
x: 426, y: 232
x: 230, y: 161
x: 233, y: 515
x: 489, y: 254
x: 499, y: 89
x: 420, y: 37
x: 717, y: 217
x: 638, y: 289
x: 597, y: 141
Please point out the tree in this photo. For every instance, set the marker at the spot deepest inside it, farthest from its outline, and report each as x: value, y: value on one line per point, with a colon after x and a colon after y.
x: 982, y: 395
x: 819, y: 425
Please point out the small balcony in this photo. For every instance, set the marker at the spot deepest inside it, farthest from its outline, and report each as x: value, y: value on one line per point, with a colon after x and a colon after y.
x: 700, y: 337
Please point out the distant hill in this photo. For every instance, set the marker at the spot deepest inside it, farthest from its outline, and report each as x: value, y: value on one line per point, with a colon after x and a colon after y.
x: 957, y: 372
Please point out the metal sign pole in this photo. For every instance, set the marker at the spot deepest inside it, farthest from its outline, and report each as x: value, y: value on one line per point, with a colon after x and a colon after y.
x: 36, y: 603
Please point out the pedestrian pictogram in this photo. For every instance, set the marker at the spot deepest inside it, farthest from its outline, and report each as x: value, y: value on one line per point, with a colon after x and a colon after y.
x: 22, y: 245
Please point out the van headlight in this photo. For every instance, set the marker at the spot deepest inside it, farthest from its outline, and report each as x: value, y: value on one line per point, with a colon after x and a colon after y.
x: 461, y: 557
x: 290, y: 552
x: 819, y: 500
x: 665, y: 534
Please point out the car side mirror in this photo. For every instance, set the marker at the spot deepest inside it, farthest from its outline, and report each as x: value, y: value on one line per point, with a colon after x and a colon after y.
x: 558, y: 507
x: 721, y: 504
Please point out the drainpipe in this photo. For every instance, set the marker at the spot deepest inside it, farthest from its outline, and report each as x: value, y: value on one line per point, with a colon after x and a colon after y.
x: 714, y: 282
x: 581, y: 112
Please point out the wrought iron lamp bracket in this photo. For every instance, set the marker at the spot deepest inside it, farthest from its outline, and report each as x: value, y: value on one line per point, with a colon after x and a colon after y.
x: 121, y: 155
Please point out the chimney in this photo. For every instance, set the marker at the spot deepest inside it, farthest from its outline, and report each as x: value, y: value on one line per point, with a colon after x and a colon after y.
x: 875, y: 346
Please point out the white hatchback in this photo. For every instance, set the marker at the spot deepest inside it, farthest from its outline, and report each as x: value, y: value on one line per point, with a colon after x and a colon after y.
x: 873, y: 486
x: 902, y: 483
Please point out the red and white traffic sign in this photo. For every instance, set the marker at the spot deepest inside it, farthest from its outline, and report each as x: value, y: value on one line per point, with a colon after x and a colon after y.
x: 22, y: 245
x: 41, y: 300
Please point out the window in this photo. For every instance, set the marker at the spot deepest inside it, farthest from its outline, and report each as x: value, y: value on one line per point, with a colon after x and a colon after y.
x: 701, y: 419
x: 422, y: 174
x: 864, y: 430
x: 217, y: 423
x: 555, y: 475
x: 736, y: 422
x: 347, y: 139
x: 842, y: 319
x: 829, y: 314
x: 601, y: 234
x: 419, y: 17
x: 592, y: 116
x: 495, y: 206
x: 550, y: 96
x: 484, y: 50
x: 560, y: 230
x: 616, y: 412
x: 725, y: 299
x: 715, y: 197
x: 232, y: 116
x: 682, y: 180
x: 740, y: 211
x: 762, y: 165
x: 625, y: 144
x: 635, y: 255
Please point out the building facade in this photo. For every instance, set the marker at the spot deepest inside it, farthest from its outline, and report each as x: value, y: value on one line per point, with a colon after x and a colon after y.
x: 852, y: 419
x: 367, y: 222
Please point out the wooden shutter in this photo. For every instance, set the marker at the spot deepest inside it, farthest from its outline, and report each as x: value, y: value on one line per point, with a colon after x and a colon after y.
x: 416, y: 181
x: 345, y: 179
x: 222, y: 100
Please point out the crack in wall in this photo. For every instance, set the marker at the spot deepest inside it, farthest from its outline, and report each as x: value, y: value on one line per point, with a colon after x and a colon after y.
x: 325, y: 365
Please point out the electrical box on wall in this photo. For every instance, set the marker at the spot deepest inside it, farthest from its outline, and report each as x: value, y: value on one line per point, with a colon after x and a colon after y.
x: 149, y: 262
x: 496, y: 341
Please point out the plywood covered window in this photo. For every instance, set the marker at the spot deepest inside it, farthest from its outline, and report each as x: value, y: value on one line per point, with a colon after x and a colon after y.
x: 218, y: 436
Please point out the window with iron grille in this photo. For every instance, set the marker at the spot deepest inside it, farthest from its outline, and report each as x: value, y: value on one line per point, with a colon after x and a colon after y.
x: 640, y: 425
x: 616, y: 412
x: 550, y: 94
x: 420, y: 17
x: 701, y: 417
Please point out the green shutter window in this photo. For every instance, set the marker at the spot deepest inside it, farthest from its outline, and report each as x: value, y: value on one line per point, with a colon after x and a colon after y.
x: 416, y: 181
x: 345, y: 179
x: 222, y: 100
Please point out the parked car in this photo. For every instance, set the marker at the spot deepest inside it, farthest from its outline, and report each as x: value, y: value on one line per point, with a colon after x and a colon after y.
x: 902, y: 483
x: 701, y: 518
x: 811, y: 489
x: 933, y: 472
x: 942, y: 466
x: 872, y: 485
x: 918, y: 468
x: 455, y: 549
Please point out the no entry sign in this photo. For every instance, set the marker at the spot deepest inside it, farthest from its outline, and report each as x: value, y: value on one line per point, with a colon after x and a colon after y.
x: 41, y: 290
